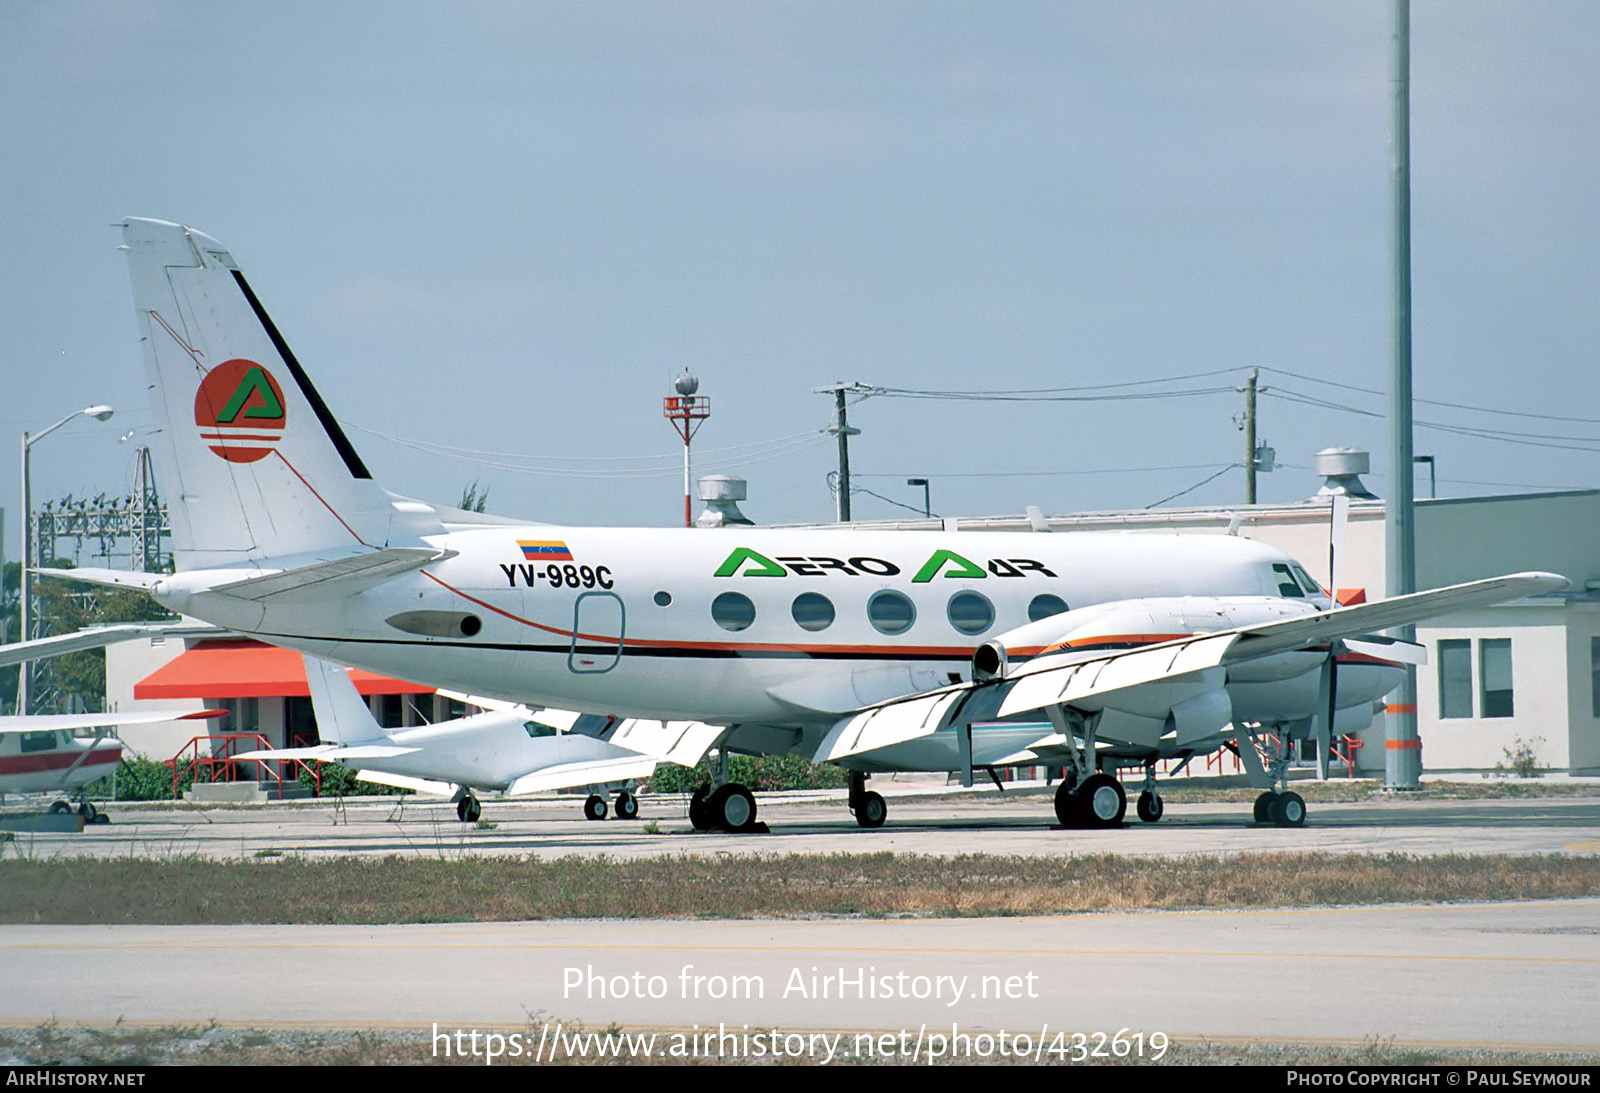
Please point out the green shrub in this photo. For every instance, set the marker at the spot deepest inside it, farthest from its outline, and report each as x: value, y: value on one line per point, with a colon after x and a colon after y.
x: 341, y: 781
x: 762, y: 773
x: 139, y: 779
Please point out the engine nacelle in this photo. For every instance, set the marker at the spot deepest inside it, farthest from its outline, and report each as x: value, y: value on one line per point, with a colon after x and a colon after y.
x: 1127, y: 624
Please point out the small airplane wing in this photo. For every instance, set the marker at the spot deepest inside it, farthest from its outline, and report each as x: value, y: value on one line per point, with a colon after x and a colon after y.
x: 74, y: 721
x: 1065, y: 678
x: 567, y: 775
x: 42, y: 648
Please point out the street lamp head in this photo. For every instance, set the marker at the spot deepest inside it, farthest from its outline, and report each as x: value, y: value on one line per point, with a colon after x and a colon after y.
x: 99, y: 413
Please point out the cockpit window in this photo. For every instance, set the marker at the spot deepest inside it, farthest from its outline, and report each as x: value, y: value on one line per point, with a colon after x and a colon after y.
x: 535, y: 730
x: 1311, y: 587
x: 1287, y: 586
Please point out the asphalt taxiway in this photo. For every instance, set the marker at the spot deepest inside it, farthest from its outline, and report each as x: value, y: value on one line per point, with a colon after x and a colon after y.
x: 1504, y: 976
x: 1011, y: 823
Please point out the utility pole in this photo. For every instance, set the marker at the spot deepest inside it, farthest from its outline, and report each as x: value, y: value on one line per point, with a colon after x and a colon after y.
x: 1257, y: 457
x: 1250, y: 439
x: 1402, y: 746
x: 841, y: 429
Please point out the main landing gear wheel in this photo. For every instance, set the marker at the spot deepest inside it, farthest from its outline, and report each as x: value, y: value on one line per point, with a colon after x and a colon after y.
x: 1263, y: 809
x: 699, y: 813
x: 89, y: 813
x: 1067, y: 804
x: 627, y: 805
x: 732, y: 807
x: 58, y: 807
x: 1289, y: 810
x: 594, y: 808
x: 871, y: 810
x: 1101, y: 801
x: 468, y: 809
x: 1150, y: 807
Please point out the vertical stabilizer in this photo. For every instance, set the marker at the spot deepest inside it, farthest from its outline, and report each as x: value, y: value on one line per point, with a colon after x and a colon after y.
x: 342, y: 714
x: 256, y: 465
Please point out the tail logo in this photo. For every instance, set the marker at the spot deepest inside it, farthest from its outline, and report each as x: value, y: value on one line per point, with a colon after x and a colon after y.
x: 239, y: 409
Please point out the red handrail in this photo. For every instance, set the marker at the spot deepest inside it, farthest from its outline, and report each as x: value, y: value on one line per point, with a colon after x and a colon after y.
x: 219, y: 759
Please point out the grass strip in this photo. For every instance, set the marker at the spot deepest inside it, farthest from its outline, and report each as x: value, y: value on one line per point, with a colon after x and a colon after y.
x: 292, y: 890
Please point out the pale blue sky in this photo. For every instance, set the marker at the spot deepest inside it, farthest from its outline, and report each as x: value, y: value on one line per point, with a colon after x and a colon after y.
x: 506, y: 226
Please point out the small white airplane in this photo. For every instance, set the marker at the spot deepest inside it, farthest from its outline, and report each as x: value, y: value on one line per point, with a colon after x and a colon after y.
x: 513, y: 750
x: 879, y: 650
x: 41, y: 754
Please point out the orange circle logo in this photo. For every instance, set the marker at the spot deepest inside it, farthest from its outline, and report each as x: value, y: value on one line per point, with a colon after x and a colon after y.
x: 239, y: 409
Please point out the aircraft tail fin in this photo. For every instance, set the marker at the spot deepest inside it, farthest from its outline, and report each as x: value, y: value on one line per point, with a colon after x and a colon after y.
x: 254, y: 463
x: 342, y: 714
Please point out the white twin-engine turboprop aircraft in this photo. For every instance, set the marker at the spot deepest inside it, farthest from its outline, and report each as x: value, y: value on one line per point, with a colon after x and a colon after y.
x: 879, y: 650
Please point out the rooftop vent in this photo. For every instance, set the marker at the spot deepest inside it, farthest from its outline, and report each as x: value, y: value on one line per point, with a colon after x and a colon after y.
x: 722, y: 494
x: 1342, y: 467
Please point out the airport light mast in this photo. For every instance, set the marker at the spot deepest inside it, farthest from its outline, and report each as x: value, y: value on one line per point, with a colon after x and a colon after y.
x: 687, y: 411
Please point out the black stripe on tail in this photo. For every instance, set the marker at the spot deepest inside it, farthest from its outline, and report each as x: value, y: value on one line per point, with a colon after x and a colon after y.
x: 341, y: 443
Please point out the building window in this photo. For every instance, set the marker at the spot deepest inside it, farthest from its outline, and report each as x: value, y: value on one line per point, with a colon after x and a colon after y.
x: 1455, y: 678
x: 1594, y: 675
x: 1494, y: 677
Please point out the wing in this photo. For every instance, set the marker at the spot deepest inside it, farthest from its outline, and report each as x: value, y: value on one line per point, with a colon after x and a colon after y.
x: 69, y: 722
x: 567, y: 775
x: 1087, y: 680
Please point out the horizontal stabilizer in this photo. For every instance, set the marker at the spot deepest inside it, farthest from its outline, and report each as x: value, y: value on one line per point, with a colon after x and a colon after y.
x: 568, y: 775
x: 340, y: 577
x: 405, y: 781
x: 116, y: 578
x: 331, y: 753
x: 99, y: 637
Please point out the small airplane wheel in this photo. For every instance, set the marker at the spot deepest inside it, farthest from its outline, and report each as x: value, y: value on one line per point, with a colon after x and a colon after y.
x: 627, y: 806
x: 1150, y: 807
x: 468, y: 809
x: 59, y: 807
x: 595, y: 807
x: 1289, y: 810
x: 1263, y: 809
x: 871, y: 810
x: 88, y: 812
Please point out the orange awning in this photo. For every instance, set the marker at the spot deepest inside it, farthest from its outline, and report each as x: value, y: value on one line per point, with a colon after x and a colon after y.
x: 249, y: 669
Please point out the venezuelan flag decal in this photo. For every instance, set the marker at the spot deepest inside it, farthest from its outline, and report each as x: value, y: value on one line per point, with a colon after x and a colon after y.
x: 544, y: 551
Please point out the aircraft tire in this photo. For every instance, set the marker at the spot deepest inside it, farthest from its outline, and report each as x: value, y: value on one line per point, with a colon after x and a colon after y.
x: 1067, y: 810
x: 1263, y: 809
x: 1150, y: 807
x: 699, y: 814
x: 871, y: 810
x: 468, y: 809
x: 59, y: 807
x: 1101, y: 801
x: 88, y: 812
x: 594, y: 808
x: 627, y: 806
x: 1289, y: 810
x: 732, y: 807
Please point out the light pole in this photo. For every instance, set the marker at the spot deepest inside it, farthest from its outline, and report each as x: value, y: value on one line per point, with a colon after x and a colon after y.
x: 99, y: 413
x: 927, y: 508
